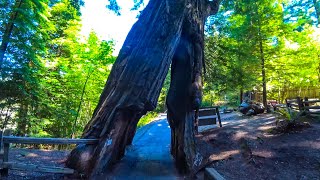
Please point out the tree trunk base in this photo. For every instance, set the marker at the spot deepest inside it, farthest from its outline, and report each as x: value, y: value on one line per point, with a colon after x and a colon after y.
x: 94, y: 160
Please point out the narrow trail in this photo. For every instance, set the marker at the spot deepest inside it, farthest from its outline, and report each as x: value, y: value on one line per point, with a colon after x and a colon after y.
x: 149, y: 156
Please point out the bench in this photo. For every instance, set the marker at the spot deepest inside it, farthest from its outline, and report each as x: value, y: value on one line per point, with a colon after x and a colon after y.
x: 207, y: 116
x: 5, y: 165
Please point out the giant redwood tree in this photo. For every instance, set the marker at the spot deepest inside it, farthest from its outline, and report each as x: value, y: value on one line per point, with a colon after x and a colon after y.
x: 168, y: 32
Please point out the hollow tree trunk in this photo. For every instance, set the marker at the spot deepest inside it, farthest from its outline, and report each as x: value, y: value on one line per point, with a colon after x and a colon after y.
x: 135, y: 81
x: 133, y: 86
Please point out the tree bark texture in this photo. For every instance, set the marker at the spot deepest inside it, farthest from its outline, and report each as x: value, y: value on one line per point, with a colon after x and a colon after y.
x: 135, y: 82
x: 184, y: 96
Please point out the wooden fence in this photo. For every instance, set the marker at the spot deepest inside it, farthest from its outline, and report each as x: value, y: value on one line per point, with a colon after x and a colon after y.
x: 5, y: 165
x: 283, y: 94
x: 310, y: 106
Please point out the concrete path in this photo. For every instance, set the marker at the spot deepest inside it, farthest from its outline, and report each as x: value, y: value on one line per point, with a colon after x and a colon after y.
x: 149, y: 157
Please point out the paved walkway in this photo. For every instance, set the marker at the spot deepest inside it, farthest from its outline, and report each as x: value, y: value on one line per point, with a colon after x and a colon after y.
x: 149, y: 157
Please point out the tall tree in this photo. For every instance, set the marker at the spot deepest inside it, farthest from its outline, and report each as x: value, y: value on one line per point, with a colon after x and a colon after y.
x: 22, y: 45
x: 165, y: 31
x: 75, y: 71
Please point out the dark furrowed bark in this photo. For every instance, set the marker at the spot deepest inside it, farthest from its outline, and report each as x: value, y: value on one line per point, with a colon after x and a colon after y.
x: 184, y: 96
x: 133, y: 86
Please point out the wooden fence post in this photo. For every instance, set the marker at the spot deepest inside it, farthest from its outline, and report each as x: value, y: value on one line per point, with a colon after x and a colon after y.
x: 0, y: 143
x: 218, y: 114
x: 4, y: 171
x: 288, y: 104
x: 306, y: 104
x: 300, y: 104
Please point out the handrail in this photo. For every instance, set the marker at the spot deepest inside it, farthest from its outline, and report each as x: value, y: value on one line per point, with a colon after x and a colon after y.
x: 32, y: 140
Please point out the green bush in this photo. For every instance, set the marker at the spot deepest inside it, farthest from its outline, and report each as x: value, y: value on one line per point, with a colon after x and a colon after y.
x: 146, y: 119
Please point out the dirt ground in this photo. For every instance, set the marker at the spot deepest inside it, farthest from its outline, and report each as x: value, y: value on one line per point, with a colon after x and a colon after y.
x: 245, y: 148
x: 34, y: 156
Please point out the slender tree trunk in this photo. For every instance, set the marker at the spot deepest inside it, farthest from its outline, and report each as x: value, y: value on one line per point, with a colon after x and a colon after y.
x: 23, y: 121
x: 241, y: 95
x: 8, y: 31
x: 135, y: 81
x: 317, y: 8
x: 80, y: 103
x: 319, y: 68
x: 263, y: 72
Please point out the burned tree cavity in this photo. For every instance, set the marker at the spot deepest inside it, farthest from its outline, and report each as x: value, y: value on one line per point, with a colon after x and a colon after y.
x: 167, y: 31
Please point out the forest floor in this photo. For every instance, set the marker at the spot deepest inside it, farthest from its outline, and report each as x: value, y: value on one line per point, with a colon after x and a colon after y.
x: 247, y: 148
x: 244, y: 148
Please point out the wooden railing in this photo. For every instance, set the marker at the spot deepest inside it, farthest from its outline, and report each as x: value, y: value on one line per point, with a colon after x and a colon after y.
x: 5, y: 165
x: 307, y: 105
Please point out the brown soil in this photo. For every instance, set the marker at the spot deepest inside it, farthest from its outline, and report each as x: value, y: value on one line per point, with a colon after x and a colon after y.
x: 37, y: 157
x: 248, y: 148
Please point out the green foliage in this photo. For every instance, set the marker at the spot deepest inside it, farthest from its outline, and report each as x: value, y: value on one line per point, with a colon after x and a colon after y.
x: 161, y: 107
x: 23, y: 39
x: 243, y: 34
x: 284, y: 114
x: 52, y: 78
x: 146, y: 119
